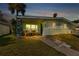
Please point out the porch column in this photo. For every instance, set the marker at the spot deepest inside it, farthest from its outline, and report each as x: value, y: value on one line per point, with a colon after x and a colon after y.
x: 41, y: 29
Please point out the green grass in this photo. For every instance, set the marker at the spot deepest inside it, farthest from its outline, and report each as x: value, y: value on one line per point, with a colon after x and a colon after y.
x: 69, y: 39
x: 5, y: 40
x: 29, y: 48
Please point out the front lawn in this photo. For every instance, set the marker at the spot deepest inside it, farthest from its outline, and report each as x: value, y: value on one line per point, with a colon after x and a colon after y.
x: 5, y: 40
x: 27, y: 47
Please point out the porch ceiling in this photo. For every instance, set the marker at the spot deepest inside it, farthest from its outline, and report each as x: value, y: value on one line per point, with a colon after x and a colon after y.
x: 32, y: 21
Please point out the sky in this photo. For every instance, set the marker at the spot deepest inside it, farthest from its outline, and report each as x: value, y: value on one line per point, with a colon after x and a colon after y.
x: 69, y: 11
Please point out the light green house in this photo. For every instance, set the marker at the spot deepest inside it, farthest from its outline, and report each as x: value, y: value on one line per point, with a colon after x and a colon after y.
x: 47, y: 25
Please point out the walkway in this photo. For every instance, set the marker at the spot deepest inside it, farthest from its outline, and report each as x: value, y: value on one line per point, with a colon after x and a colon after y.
x: 63, y: 49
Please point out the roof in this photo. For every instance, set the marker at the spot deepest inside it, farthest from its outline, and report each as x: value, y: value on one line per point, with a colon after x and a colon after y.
x: 40, y: 17
x: 44, y: 18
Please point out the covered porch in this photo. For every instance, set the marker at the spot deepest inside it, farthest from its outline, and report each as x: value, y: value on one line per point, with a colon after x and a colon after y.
x: 32, y: 27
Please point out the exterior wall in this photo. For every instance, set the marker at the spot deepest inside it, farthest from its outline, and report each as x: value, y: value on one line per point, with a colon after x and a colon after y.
x: 51, y: 28
x: 4, y: 29
x: 77, y: 29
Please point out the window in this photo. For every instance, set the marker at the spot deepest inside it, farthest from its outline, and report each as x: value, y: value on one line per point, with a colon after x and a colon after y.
x: 59, y: 25
x: 48, y: 24
x: 27, y: 26
x: 31, y: 27
x: 65, y: 26
x: 54, y: 25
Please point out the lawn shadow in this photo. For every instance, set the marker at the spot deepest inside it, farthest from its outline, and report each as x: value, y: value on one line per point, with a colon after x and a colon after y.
x: 6, y: 40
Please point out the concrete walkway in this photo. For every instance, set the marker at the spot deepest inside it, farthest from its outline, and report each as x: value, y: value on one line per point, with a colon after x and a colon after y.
x: 63, y: 49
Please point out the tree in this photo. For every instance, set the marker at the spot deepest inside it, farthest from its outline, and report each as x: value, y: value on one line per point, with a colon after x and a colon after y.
x: 1, y: 15
x: 12, y: 7
x: 16, y: 8
x: 13, y: 22
x: 20, y: 8
x: 23, y: 9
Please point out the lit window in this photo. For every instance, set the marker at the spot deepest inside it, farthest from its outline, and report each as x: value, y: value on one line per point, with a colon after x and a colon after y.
x: 27, y: 26
x: 36, y: 27
x: 31, y: 27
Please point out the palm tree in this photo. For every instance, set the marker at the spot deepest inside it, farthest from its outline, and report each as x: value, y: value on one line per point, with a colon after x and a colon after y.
x: 23, y: 9
x: 20, y: 8
x: 12, y: 7
x: 16, y: 8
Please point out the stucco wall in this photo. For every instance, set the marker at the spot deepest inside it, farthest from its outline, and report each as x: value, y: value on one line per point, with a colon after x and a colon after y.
x: 50, y: 28
x: 4, y: 29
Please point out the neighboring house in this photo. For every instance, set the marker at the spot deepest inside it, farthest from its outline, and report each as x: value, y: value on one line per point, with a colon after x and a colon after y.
x: 47, y: 25
x: 76, y: 22
x: 4, y: 26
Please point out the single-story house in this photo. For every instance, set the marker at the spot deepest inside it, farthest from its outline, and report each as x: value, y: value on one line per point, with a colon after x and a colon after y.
x: 76, y: 22
x: 4, y: 26
x: 46, y: 25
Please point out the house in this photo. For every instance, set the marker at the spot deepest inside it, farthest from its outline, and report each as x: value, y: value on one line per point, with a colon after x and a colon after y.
x: 4, y: 26
x: 76, y: 22
x: 46, y: 25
